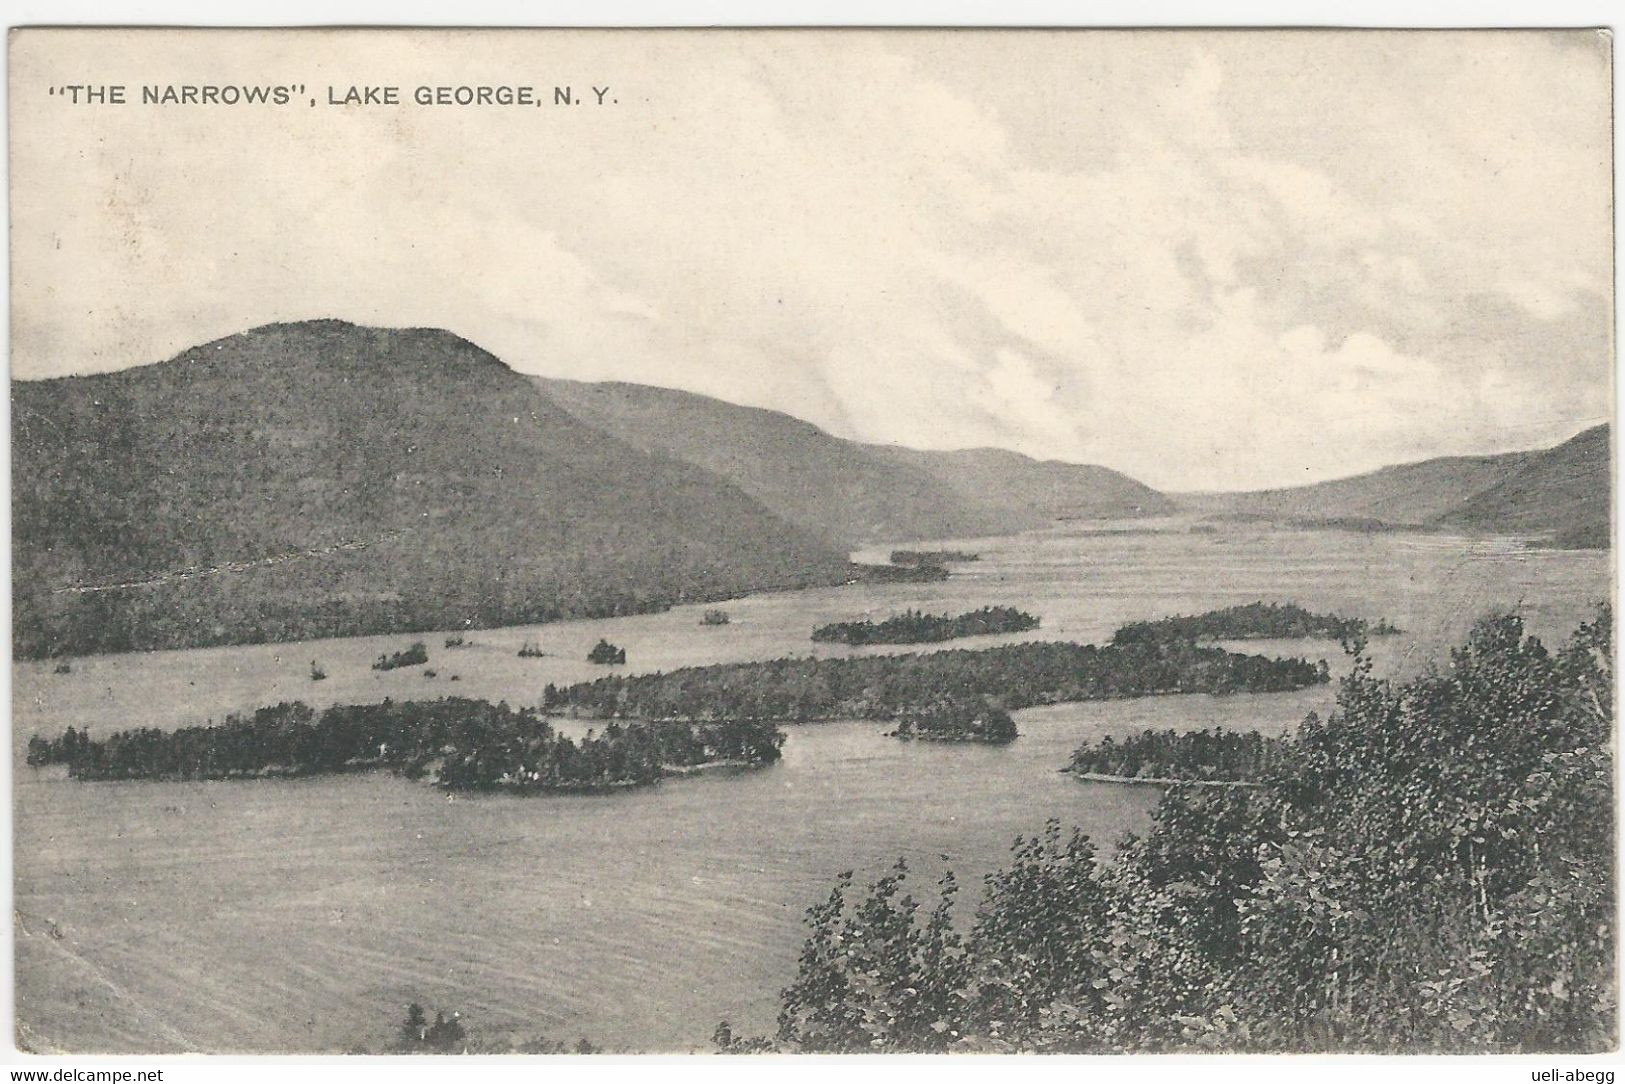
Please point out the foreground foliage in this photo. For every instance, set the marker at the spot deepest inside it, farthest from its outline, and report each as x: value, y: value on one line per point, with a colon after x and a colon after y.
x: 419, y: 1036
x: 461, y: 744
x: 1226, y: 755
x: 449, y: 1036
x: 914, y: 627
x: 1430, y: 869
x: 1253, y: 621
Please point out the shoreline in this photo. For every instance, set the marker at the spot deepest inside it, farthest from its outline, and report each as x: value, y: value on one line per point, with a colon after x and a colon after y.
x: 1157, y: 780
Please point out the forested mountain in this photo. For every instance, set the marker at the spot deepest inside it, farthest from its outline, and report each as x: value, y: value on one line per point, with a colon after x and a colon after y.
x: 1008, y: 484
x: 1413, y: 493
x: 843, y: 490
x: 1566, y: 490
x: 854, y: 492
x: 1563, y: 492
x: 320, y: 478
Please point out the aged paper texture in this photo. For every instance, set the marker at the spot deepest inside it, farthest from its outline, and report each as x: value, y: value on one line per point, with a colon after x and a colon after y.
x: 557, y: 541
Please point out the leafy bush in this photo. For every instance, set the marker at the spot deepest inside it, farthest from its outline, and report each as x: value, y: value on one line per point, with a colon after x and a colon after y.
x: 419, y: 1036
x: 1430, y: 869
x: 443, y: 1036
x: 1214, y: 755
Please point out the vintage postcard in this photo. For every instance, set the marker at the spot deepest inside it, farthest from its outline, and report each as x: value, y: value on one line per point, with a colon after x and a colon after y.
x: 812, y: 541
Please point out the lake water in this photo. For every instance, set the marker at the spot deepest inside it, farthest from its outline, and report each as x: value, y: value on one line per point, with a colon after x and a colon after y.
x: 304, y: 915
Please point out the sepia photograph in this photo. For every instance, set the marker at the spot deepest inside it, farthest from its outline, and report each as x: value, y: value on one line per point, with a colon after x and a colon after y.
x: 793, y: 541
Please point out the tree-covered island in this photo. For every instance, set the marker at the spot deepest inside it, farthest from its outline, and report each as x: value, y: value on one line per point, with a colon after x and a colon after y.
x: 914, y: 627
x: 605, y: 653
x: 889, y: 686
x: 923, y: 573
x: 961, y: 719
x: 1253, y: 621
x: 416, y: 655
x: 458, y: 744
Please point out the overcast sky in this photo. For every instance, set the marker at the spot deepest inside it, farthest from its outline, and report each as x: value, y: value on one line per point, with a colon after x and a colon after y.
x: 1212, y: 260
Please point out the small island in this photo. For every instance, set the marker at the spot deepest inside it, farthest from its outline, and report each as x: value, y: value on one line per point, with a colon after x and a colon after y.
x: 1168, y: 756
x: 1253, y: 621
x: 863, y: 573
x: 416, y: 655
x: 932, y: 557
x: 457, y: 744
x: 914, y: 627
x: 964, y: 720
x: 607, y: 654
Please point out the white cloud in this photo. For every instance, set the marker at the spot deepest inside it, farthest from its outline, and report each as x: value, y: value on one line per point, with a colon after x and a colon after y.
x: 1209, y: 260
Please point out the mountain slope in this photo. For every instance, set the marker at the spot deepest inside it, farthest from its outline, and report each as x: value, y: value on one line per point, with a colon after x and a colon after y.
x: 1564, y: 492
x: 320, y: 478
x: 848, y: 491
x: 832, y: 486
x: 1411, y: 493
x: 1009, y: 484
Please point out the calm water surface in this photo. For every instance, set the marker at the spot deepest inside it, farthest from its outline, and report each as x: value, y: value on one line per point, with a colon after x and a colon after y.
x: 304, y: 915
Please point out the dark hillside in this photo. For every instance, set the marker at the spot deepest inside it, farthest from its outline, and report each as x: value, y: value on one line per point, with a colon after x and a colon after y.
x: 838, y: 488
x: 320, y: 478
x: 1564, y: 493
x: 1411, y: 493
x: 851, y: 492
x: 1008, y: 484
x: 1565, y: 490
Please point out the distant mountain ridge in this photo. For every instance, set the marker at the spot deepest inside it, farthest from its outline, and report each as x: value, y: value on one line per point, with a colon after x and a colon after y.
x: 1010, y: 486
x: 321, y: 479
x: 1407, y: 493
x: 851, y: 492
x: 1564, y: 492
x: 803, y: 474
